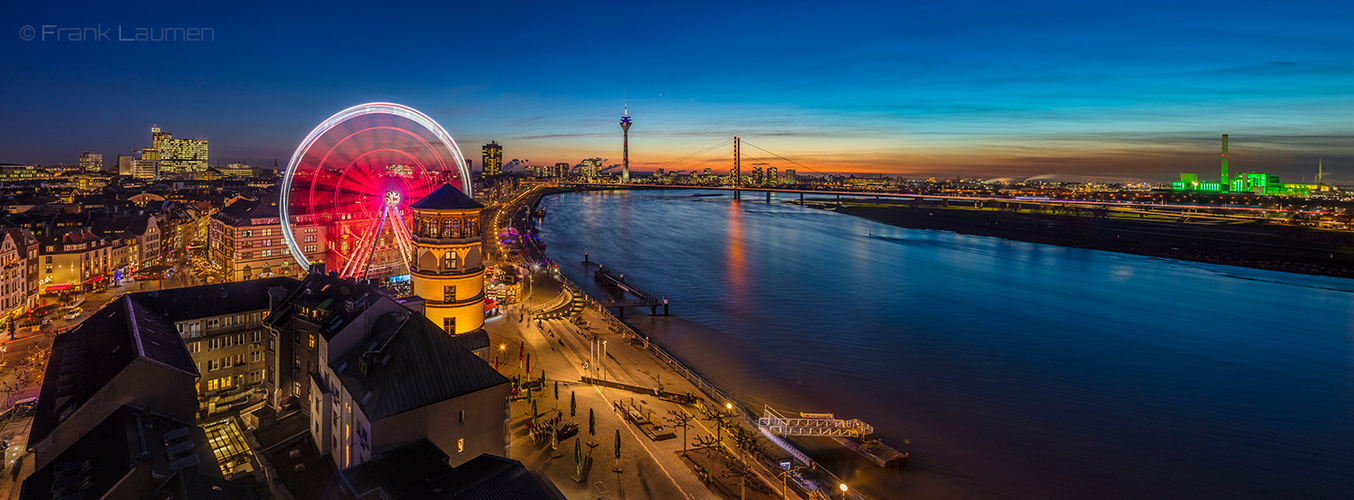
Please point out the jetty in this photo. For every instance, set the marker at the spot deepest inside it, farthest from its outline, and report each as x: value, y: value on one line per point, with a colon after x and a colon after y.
x: 632, y: 295
x: 853, y: 434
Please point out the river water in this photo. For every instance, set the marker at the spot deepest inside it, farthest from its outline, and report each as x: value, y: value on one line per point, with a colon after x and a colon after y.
x: 1006, y: 369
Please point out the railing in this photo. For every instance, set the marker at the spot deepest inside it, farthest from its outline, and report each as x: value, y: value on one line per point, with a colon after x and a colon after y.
x: 798, y: 426
x: 714, y: 393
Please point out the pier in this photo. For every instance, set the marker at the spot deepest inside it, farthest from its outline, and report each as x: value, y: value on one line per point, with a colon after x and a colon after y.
x: 641, y: 298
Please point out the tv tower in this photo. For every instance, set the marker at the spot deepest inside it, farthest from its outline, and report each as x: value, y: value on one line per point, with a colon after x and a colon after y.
x: 625, y: 148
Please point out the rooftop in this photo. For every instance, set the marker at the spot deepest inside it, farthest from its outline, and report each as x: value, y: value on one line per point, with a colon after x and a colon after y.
x: 410, y: 363
x: 336, y: 300
x: 86, y: 358
x: 420, y: 470
x: 446, y: 197
x: 205, y: 301
x: 128, y: 439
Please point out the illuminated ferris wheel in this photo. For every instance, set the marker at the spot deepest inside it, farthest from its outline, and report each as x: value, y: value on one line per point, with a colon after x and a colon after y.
x: 346, y: 192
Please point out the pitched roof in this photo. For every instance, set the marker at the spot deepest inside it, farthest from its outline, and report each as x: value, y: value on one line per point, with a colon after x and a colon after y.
x: 420, y: 470
x: 127, y: 439
x: 204, y: 301
x: 446, y: 197
x: 86, y: 358
x: 242, y: 210
x: 414, y: 363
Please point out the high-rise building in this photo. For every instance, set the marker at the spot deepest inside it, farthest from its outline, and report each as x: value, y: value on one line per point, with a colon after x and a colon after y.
x: 772, y: 177
x: 177, y: 157
x: 588, y: 168
x: 124, y: 165
x: 492, y: 158
x: 91, y: 162
x: 790, y: 176
x: 561, y: 170
x: 625, y: 145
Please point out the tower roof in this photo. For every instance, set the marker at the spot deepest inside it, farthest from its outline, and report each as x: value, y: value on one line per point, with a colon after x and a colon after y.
x: 446, y: 197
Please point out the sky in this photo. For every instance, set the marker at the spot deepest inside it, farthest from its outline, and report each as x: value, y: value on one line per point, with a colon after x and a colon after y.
x: 1136, y: 91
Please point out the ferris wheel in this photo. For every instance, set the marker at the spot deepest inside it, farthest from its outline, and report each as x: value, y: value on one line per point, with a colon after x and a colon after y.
x: 348, y: 186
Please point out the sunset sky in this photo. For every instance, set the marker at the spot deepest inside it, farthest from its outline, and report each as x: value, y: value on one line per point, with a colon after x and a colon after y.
x: 1076, y: 89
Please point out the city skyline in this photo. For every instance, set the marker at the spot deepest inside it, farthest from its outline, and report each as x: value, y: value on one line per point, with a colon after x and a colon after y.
x: 1135, y: 92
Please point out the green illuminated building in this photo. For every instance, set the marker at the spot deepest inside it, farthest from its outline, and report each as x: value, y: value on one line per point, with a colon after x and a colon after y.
x: 1252, y: 183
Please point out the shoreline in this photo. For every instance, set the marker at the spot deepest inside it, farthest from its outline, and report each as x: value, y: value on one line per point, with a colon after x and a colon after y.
x: 821, y: 451
x: 1273, y: 247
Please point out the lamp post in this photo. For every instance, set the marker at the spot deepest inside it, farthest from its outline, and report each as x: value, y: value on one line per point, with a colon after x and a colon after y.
x: 843, y: 487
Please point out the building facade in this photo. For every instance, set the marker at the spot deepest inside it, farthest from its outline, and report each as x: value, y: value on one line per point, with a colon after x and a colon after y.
x: 246, y: 241
x: 178, y: 158
x: 448, y: 269
x: 399, y: 379
x: 222, y: 327
x: 91, y: 162
x: 492, y: 158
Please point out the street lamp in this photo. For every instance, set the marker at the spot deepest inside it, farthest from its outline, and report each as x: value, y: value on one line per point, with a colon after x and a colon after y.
x: 843, y: 487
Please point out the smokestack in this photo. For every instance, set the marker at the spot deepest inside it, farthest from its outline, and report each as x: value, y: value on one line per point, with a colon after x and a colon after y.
x: 1225, y: 181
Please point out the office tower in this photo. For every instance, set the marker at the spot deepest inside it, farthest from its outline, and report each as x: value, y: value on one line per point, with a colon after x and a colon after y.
x: 492, y: 159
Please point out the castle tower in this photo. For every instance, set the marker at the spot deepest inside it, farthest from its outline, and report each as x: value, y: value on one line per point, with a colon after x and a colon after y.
x: 447, y: 268
x: 625, y: 147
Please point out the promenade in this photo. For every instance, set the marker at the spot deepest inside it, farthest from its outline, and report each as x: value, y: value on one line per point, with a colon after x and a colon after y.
x: 649, y: 469
x: 563, y: 349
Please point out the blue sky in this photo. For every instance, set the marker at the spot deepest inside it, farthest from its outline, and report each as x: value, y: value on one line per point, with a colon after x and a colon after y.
x: 1124, y: 90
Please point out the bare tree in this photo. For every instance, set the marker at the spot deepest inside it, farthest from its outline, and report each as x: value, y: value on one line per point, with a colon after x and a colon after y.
x: 682, y: 419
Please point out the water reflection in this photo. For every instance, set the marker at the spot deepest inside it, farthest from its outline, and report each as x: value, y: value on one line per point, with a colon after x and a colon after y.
x: 1016, y: 370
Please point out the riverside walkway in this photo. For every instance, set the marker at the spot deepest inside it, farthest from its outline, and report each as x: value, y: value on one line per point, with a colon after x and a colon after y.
x: 591, y: 342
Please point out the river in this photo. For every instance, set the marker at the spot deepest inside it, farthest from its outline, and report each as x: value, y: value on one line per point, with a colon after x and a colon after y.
x: 1006, y: 369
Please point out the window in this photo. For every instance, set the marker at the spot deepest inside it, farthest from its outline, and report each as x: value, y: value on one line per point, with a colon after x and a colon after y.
x: 312, y: 341
x: 310, y: 248
x: 247, y: 234
x: 461, y: 417
x: 256, y: 356
x: 267, y: 232
x: 449, y: 260
x: 449, y: 324
x: 460, y: 445
x: 310, y: 239
x: 449, y: 294
x: 49, y: 259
